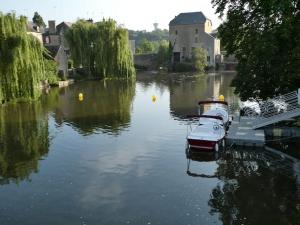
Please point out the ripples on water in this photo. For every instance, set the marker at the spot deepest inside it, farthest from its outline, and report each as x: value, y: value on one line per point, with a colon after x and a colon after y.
x: 119, y: 158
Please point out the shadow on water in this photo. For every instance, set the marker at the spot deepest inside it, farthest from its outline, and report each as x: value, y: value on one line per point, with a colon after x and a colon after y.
x: 106, y: 106
x: 24, y: 140
x: 256, y: 186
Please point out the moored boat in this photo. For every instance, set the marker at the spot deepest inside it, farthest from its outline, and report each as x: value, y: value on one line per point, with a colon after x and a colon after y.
x: 209, y: 133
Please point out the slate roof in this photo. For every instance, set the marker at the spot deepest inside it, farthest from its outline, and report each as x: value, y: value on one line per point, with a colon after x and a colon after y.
x: 62, y: 24
x: 188, y: 18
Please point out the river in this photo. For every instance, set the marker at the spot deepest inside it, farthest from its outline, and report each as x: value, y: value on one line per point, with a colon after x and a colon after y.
x: 117, y: 156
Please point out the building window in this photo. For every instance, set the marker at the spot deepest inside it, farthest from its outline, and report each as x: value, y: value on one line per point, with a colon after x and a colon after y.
x: 208, y: 58
x: 176, y: 32
x: 196, y: 40
x: 196, y: 31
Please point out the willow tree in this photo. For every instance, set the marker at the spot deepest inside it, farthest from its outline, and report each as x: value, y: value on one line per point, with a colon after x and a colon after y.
x: 101, y: 47
x: 21, y: 60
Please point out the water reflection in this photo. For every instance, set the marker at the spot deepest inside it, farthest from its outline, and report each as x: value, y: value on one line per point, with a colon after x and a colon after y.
x: 141, y: 167
x: 200, y: 157
x: 106, y: 106
x: 24, y: 140
x: 258, y: 187
x: 184, y: 96
x: 187, y: 89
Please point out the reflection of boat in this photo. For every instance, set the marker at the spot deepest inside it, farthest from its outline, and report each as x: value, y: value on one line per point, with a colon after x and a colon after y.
x: 211, y: 128
x: 200, y: 157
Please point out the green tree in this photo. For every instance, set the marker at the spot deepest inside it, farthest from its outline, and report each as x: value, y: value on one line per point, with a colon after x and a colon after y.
x: 21, y: 60
x: 153, y: 36
x: 51, y: 72
x: 265, y: 38
x: 199, y: 59
x: 146, y: 46
x: 38, y: 20
x: 163, y: 54
x: 102, y: 48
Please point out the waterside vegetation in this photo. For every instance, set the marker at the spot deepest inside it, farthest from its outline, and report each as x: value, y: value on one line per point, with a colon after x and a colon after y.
x: 102, y: 48
x: 21, y: 60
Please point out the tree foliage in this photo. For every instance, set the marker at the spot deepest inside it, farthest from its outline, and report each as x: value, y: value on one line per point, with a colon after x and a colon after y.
x: 163, y: 54
x: 102, y: 47
x: 146, y: 47
x: 21, y: 60
x: 38, y: 20
x: 154, y: 36
x: 265, y: 38
x: 199, y: 59
x: 51, y: 72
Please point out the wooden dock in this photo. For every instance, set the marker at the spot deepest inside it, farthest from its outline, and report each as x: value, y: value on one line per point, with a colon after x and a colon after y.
x: 241, y: 133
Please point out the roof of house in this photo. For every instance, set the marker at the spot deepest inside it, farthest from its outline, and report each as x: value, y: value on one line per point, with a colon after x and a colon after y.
x: 63, y: 24
x: 188, y: 18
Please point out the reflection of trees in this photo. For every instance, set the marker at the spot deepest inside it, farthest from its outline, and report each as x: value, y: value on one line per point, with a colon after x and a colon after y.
x: 106, y: 105
x: 258, y: 188
x: 23, y: 140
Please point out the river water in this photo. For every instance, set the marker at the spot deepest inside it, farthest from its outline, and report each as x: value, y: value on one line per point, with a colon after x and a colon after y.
x: 118, y: 157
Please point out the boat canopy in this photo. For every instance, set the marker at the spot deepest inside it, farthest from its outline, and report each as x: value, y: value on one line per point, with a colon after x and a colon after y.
x: 205, y: 116
x: 212, y: 102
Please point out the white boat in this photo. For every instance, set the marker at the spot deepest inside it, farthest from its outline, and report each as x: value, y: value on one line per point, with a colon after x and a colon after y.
x: 210, y: 131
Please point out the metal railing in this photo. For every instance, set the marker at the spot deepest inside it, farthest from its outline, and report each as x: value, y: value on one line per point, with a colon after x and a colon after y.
x: 274, y: 110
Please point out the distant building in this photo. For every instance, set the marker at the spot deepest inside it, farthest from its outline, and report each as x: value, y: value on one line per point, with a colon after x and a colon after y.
x: 54, y: 40
x: 193, y: 30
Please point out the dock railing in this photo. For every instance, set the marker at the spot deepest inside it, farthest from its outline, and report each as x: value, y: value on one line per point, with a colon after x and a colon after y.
x: 275, y: 109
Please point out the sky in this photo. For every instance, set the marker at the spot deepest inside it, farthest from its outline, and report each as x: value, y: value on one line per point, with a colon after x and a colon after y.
x: 133, y: 14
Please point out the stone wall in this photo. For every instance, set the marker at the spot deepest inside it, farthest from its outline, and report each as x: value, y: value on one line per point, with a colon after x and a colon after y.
x: 148, y: 61
x: 187, y: 37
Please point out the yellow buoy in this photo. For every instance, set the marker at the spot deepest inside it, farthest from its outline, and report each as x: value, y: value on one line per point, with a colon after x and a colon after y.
x: 80, y: 97
x: 153, y: 98
x: 221, y: 98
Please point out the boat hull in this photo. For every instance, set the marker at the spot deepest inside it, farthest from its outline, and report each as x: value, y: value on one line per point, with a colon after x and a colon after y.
x: 203, y: 145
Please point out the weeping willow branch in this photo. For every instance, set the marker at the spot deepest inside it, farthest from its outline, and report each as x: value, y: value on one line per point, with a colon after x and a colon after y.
x: 101, y: 47
x: 21, y: 60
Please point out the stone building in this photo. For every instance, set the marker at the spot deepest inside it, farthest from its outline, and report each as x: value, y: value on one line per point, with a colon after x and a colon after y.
x: 54, y: 40
x: 193, y: 30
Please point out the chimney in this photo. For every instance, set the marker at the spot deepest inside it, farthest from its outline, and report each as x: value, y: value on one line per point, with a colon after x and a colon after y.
x: 52, y: 28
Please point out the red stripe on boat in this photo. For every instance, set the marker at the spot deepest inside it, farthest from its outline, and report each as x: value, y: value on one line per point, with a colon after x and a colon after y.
x: 202, y: 144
